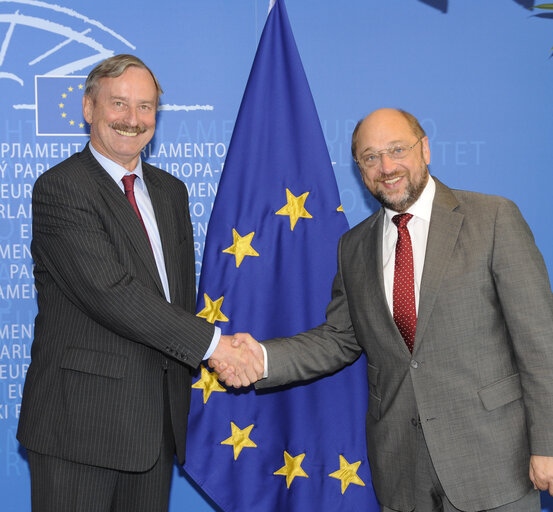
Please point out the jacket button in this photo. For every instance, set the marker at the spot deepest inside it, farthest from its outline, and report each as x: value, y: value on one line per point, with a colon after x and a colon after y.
x: 414, y: 364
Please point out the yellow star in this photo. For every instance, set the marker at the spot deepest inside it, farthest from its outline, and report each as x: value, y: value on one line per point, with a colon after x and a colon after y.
x: 340, y: 209
x: 61, y: 105
x: 81, y: 125
x: 80, y: 86
x: 241, y: 246
x: 63, y: 114
x: 209, y: 383
x: 212, y: 310
x: 295, y: 208
x: 292, y: 468
x: 239, y: 439
x: 64, y: 95
x: 70, y: 89
x: 71, y: 123
x: 347, y: 474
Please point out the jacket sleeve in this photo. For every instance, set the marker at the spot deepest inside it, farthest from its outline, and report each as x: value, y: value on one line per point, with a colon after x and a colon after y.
x: 319, y: 351
x: 523, y: 288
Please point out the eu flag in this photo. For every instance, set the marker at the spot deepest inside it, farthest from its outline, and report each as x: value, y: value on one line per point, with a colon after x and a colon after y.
x: 268, y: 266
x: 59, y: 105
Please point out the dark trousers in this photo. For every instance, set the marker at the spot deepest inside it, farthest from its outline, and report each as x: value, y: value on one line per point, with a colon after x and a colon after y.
x: 59, y: 485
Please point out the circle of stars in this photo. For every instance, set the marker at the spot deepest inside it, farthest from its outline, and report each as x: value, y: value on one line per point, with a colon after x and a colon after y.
x: 61, y: 105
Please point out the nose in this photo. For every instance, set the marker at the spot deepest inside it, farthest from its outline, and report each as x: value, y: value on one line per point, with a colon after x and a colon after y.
x: 131, y: 117
x: 386, y: 163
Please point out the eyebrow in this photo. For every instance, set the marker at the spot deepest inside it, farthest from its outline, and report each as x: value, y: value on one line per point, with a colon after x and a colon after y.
x: 125, y: 98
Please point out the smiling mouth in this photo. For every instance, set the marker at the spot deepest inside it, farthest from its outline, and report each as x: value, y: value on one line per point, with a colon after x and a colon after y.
x: 127, y: 134
x: 128, y: 131
x: 391, y: 181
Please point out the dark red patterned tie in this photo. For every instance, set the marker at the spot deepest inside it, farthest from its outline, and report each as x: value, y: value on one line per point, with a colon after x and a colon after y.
x: 128, y: 183
x: 405, y: 311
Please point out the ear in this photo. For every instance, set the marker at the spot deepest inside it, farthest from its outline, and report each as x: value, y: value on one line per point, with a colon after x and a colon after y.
x: 425, y: 150
x: 88, y: 108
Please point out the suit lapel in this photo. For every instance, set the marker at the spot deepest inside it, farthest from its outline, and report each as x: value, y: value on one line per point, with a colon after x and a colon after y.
x: 123, y: 213
x: 445, y: 224
x: 372, y: 251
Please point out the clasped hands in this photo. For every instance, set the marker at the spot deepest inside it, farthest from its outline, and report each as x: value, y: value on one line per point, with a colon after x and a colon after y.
x: 238, y: 360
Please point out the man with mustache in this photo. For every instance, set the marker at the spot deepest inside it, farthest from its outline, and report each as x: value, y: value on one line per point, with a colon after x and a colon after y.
x: 452, y: 305
x: 107, y: 393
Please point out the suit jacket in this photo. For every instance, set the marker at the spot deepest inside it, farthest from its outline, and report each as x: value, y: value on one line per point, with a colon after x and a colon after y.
x: 104, y: 333
x: 481, y: 373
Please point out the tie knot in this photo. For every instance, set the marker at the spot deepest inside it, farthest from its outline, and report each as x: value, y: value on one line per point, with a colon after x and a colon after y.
x: 401, y: 219
x: 128, y: 182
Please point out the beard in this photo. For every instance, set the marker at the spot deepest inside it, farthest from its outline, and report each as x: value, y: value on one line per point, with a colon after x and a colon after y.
x: 413, y: 190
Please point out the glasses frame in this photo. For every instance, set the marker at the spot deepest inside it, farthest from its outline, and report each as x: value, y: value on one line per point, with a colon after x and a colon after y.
x: 388, y: 151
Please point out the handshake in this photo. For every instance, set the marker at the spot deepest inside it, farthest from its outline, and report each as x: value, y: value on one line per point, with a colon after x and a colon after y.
x: 238, y: 360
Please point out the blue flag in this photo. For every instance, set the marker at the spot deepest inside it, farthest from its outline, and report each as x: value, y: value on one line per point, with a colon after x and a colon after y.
x: 59, y: 105
x: 268, y: 266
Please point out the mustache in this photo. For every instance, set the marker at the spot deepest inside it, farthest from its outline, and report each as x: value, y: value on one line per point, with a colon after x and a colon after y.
x: 122, y: 127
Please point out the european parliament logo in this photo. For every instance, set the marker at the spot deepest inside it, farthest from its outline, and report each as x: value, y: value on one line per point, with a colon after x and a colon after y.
x: 59, y: 105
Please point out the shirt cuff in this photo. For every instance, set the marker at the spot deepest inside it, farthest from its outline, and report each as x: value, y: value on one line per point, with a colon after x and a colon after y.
x: 265, y: 367
x: 214, y: 342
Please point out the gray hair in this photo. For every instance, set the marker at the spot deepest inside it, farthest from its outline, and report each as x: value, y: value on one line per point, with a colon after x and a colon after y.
x: 112, y: 68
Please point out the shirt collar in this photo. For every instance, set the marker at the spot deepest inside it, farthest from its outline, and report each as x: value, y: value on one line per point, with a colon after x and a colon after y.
x: 421, y: 208
x: 117, y: 171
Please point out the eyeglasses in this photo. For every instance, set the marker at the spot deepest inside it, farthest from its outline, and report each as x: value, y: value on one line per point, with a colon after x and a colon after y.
x: 396, y: 152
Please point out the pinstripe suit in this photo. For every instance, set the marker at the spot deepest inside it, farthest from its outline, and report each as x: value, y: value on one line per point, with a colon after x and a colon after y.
x: 104, y: 333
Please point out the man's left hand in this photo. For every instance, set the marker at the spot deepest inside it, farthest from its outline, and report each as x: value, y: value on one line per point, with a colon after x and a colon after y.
x: 541, y: 472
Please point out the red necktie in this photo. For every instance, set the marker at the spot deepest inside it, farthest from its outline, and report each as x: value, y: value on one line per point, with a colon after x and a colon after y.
x: 128, y: 183
x: 405, y: 311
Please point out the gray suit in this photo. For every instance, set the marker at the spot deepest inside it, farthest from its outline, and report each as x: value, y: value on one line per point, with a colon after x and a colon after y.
x: 105, y: 336
x: 481, y: 374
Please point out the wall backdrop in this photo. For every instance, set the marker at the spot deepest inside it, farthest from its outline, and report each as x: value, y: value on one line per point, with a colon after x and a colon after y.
x: 479, y: 75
